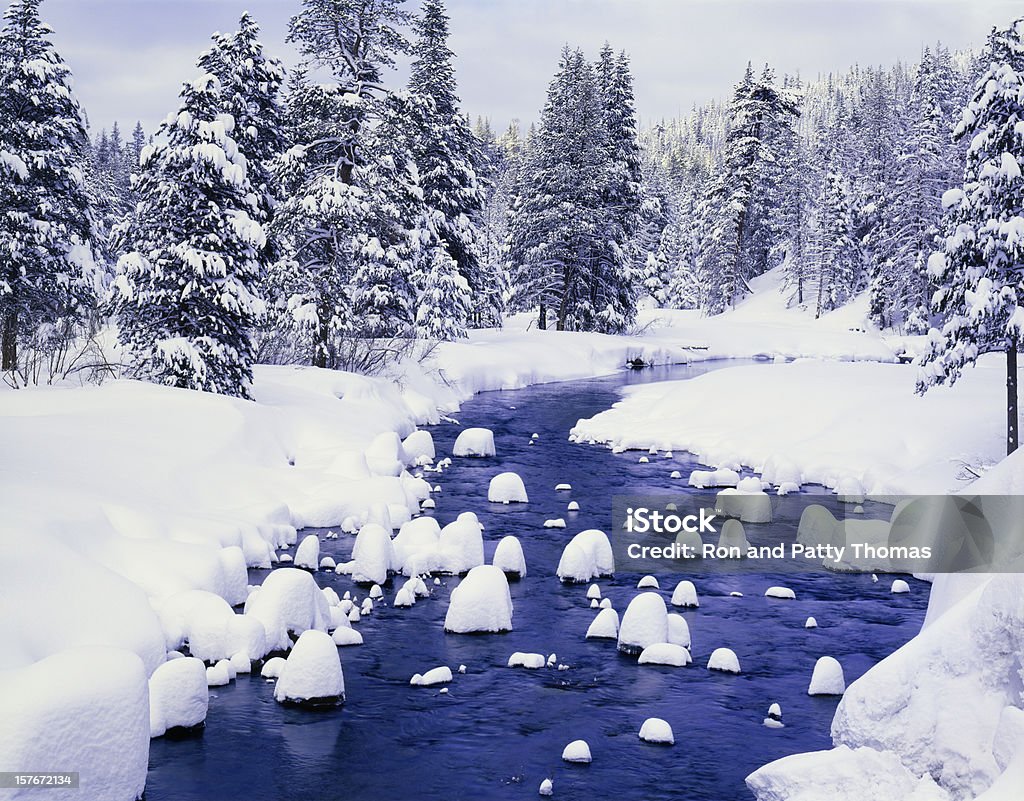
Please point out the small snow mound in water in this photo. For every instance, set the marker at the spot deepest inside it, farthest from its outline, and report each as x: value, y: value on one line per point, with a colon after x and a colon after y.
x: 785, y: 593
x: 648, y: 582
x: 474, y: 442
x: 428, y: 503
x: 419, y: 447
x: 547, y: 787
x: 653, y: 451
x: 373, y: 555
x: 481, y: 602
x: 725, y: 660
x: 376, y: 593
x: 774, y: 719
x: 438, y: 675
x: 749, y: 507
x: 327, y: 563
x: 289, y: 600
x: 312, y: 672
x: 594, y: 603
x: 577, y: 751
x: 656, y: 730
x: 508, y: 556
x: 507, y: 488
x: 272, y: 667
x: 556, y: 522
x: 733, y: 536
x: 178, y: 696
x: 665, y: 653
x: 528, y: 661
x: 749, y: 484
x: 858, y: 510
x: 367, y: 607
x: 605, y: 626
x: 714, y: 478
x: 606, y: 603
x: 563, y: 487
x: 675, y: 474
x: 899, y: 586
x: 573, y: 506
x: 535, y: 435
x: 462, y: 668
x: 588, y: 555
x: 678, y: 630
x: 644, y: 460
x: 593, y: 591
x: 828, y: 678
x: 644, y: 623
x: 218, y: 675
x: 685, y: 594
x: 787, y: 487
x: 307, y: 555
x: 285, y: 557
x: 345, y: 636
x: 404, y: 598
x: 810, y: 623
x: 735, y: 594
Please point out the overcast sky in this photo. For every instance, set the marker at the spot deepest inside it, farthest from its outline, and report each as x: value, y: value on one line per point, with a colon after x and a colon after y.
x: 130, y: 57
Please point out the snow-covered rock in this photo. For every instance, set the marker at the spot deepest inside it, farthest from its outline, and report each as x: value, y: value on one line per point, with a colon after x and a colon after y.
x: 774, y: 719
x: 554, y: 522
x: 577, y: 751
x: 733, y: 536
x: 604, y: 626
x: 827, y: 678
x: 508, y: 556
x: 657, y: 730
x: 594, y: 592
x: 327, y: 563
x: 644, y: 623
x: 648, y: 583
x: 587, y: 556
x: 811, y: 623
x: 525, y: 660
x: 178, y: 696
x: 573, y: 506
x: 474, y: 442
x: 416, y: 546
x: 219, y: 674
x: 714, y: 478
x: 546, y: 788
x: 749, y: 507
x: 685, y: 594
x: 507, y: 488
x: 784, y: 593
x: 725, y: 660
x: 307, y: 555
x: 312, y: 672
x: 438, y: 675
x: 289, y: 600
x: 480, y: 603
x: 665, y: 653
x: 899, y: 586
x: 678, y: 630
x: 563, y: 487
x: 272, y: 667
x: 373, y: 555
x: 346, y: 635
x: 419, y: 447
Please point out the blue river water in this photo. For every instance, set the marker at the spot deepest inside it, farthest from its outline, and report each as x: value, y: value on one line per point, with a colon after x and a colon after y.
x: 497, y: 732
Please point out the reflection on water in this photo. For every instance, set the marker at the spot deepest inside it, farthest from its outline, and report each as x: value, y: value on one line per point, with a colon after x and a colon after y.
x: 498, y: 732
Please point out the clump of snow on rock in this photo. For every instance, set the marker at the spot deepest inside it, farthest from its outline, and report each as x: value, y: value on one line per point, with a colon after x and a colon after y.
x: 657, y: 730
x: 810, y: 623
x: 525, y: 660
x: 477, y: 442
x: 481, y: 603
x: 678, y: 630
x: 587, y: 556
x: 685, y: 594
x: 828, y: 678
x: 289, y: 600
x: 647, y: 582
x: 178, y: 696
x: 784, y: 593
x: 725, y: 660
x: 438, y: 675
x: 604, y: 626
x: 899, y: 586
x: 508, y: 556
x: 307, y: 555
x: 312, y: 672
x: 507, y: 488
x: 577, y: 751
x: 664, y: 653
x: 644, y: 623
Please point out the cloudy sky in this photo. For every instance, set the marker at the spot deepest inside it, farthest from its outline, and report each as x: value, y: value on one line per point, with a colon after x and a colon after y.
x: 130, y: 56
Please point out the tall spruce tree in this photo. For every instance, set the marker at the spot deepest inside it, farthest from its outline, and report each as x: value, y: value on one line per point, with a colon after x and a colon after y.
x: 980, y: 269
x: 47, y: 248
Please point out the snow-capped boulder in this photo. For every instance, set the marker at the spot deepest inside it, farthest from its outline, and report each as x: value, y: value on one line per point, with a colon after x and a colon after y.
x: 648, y: 583
x: 480, y: 603
x: 675, y: 474
x: 373, y: 555
x: 644, y: 623
x: 749, y: 507
x: 818, y: 526
x: 732, y: 536
x: 810, y: 623
x: 508, y: 556
x: 606, y: 603
x: 385, y: 455
x: 783, y: 593
x: 327, y: 563
x: 474, y: 442
x: 714, y: 478
x: 749, y: 484
x: 665, y: 653
x: 289, y: 600
x: 573, y: 506
x: 312, y: 672
x: 774, y: 719
x: 507, y: 488
x: 416, y: 546
x: 272, y: 667
x: 594, y: 592
x: 178, y: 696
x: 219, y: 674
x: 528, y: 661
x: 461, y: 544
x: 656, y: 730
x: 678, y: 630
x: 546, y: 788
x: 419, y: 447
x: 555, y: 522
x: 587, y: 556
x: 563, y: 487
x: 725, y: 660
x: 691, y: 546
x: 577, y: 751
x: 307, y: 555
x: 828, y: 678
x: 404, y: 598
x: 685, y: 594
x: 346, y: 635
x: 605, y: 626
x: 438, y: 675
x: 899, y: 586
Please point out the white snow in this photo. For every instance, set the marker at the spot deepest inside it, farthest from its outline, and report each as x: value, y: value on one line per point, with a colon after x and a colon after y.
x: 784, y: 593
x: 178, y: 695
x: 474, y: 442
x: 774, y: 719
x: 547, y: 787
x: 644, y: 623
x: 345, y: 636
x: 604, y: 626
x: 307, y: 555
x: 461, y: 544
x: 481, y: 602
x: 525, y: 660
x: 289, y: 600
x: 678, y: 630
x: 588, y: 555
x: 810, y: 623
x: 419, y: 447
x: 827, y: 678
x: 723, y: 477
x: 647, y: 582
x: 732, y: 536
x: 508, y: 556
x: 507, y: 488
x: 899, y: 586
x: 573, y: 506
x: 373, y: 555
x: 438, y: 675
x: 725, y: 660
x: 749, y: 506
x: 685, y: 594
x: 555, y: 522
x: 577, y: 751
x: 594, y: 592
x: 665, y: 653
x: 272, y: 667
x: 312, y: 671
x: 657, y: 730
x: 563, y: 487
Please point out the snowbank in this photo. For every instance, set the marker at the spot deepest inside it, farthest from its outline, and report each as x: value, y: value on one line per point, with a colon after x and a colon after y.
x: 481, y: 602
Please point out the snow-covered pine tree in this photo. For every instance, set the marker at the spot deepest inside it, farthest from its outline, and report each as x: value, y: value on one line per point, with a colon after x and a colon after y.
x: 47, y: 249
x: 980, y: 269
x: 840, y: 260
x: 448, y: 157
x: 186, y: 297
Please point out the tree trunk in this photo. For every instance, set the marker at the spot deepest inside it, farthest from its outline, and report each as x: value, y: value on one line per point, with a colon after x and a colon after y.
x: 542, y: 320
x: 9, y: 340
x: 320, y: 338
x: 1011, y: 395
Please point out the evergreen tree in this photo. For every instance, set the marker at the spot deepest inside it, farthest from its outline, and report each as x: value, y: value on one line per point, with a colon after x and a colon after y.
x: 980, y: 268
x: 839, y: 256
x: 187, y: 298
x: 47, y: 253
